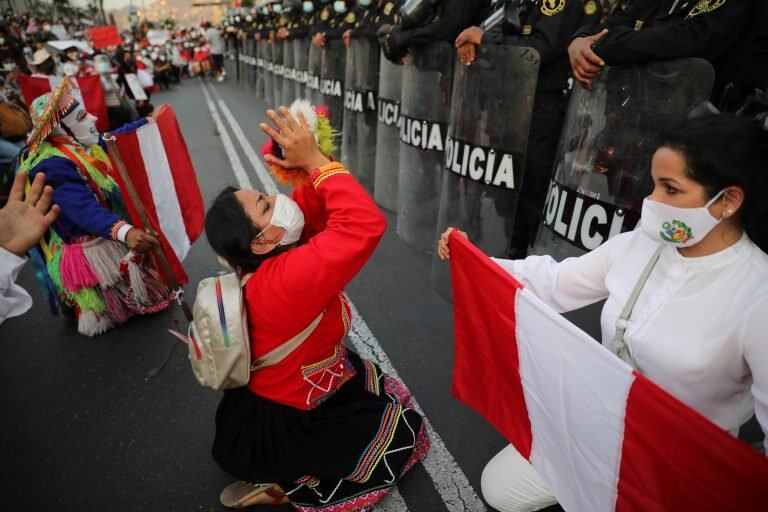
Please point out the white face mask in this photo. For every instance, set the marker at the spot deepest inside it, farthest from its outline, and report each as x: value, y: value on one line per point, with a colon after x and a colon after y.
x: 308, y: 7
x: 339, y: 6
x: 680, y: 227
x: 83, y: 126
x: 288, y: 216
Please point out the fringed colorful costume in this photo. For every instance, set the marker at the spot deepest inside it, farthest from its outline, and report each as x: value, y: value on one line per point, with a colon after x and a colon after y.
x: 83, y: 263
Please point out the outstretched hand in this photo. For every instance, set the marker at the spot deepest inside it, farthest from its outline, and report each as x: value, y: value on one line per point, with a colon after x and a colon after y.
x: 300, y: 149
x: 24, y: 221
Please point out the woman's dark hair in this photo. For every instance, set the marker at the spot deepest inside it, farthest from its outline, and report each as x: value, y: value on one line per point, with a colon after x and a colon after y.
x: 723, y: 151
x: 230, y: 231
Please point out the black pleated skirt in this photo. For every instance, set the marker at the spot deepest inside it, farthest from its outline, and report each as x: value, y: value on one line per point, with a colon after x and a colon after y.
x: 344, y: 455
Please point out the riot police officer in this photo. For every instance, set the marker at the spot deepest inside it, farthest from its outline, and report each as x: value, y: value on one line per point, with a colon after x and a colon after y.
x: 372, y: 15
x: 335, y: 19
x: 727, y: 33
x: 545, y: 25
x: 419, y: 25
x: 300, y: 16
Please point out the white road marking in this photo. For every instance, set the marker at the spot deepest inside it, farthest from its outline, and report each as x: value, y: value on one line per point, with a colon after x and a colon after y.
x: 270, y: 187
x: 449, y: 480
x: 234, y: 158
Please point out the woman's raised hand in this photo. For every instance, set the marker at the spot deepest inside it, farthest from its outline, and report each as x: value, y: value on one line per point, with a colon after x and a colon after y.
x: 300, y: 149
x: 442, y: 246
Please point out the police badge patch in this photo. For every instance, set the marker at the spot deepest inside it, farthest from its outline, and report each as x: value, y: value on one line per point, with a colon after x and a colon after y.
x: 350, y: 17
x: 590, y: 8
x: 705, y: 6
x: 324, y: 15
x: 388, y: 8
x: 552, y: 7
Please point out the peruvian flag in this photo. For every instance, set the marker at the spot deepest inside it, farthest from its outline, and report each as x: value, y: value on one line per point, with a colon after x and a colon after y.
x: 87, y: 90
x: 603, y: 436
x: 158, y: 163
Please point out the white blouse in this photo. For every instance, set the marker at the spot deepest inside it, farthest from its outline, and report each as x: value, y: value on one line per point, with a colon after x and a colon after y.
x: 699, y: 328
x: 14, y: 300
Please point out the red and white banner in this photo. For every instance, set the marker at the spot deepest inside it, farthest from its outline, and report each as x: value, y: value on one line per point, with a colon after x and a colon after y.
x: 158, y: 163
x: 88, y: 91
x: 102, y: 37
x: 603, y: 436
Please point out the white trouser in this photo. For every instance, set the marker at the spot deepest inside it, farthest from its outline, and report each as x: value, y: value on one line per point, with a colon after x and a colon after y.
x: 511, y: 484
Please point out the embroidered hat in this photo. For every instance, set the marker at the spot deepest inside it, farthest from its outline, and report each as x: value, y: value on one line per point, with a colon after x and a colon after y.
x: 47, y: 110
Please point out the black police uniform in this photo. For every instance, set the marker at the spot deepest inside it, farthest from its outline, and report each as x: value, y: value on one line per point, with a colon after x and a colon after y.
x: 453, y: 16
x: 545, y: 25
x: 724, y: 32
x: 376, y: 16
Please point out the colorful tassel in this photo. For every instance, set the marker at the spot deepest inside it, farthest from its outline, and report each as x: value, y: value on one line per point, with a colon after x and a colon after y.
x: 89, y: 299
x: 76, y: 271
x: 117, y: 309
x: 104, y: 257
x: 91, y: 324
x: 135, y: 277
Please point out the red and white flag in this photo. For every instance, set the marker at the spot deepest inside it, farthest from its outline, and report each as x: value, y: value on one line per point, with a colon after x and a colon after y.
x: 160, y: 168
x: 603, y: 436
x: 87, y: 90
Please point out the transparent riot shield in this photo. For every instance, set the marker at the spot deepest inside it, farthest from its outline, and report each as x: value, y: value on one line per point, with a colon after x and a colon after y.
x: 388, y: 134
x: 300, y: 59
x: 277, y: 58
x: 289, y: 74
x: 361, y: 86
x: 332, y: 72
x: 261, y: 70
x: 314, y: 68
x: 351, y: 98
x: 241, y: 62
x: 249, y: 62
x: 269, y: 75
x: 426, y: 95
x: 602, y: 170
x: 230, y: 63
x: 491, y: 109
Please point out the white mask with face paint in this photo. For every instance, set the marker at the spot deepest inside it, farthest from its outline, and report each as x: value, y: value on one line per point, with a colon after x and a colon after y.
x: 288, y: 216
x: 680, y: 227
x: 82, y: 126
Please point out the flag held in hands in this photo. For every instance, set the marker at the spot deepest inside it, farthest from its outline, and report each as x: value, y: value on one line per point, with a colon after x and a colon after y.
x: 159, y: 166
x: 602, y: 435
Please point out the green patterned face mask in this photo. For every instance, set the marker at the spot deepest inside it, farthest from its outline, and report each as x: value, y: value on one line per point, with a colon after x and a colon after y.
x: 681, y: 227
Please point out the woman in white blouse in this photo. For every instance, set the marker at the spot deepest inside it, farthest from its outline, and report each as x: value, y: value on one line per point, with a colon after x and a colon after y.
x: 699, y: 327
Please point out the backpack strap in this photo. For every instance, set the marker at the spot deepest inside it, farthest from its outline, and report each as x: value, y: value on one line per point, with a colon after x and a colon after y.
x: 278, y: 354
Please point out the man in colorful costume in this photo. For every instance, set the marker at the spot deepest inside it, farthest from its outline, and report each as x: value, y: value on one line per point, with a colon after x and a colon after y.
x: 91, y: 261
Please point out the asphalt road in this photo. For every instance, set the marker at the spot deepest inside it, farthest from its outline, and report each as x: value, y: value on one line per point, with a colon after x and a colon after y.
x: 84, y: 429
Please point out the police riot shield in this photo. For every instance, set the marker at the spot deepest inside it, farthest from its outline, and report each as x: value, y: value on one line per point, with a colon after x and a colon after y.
x: 426, y: 95
x: 261, y: 68
x: 230, y: 63
x: 332, y: 70
x: 300, y: 58
x: 252, y: 63
x: 277, y: 58
x: 491, y: 109
x: 269, y: 75
x: 289, y: 74
x: 241, y: 62
x: 388, y: 134
x: 362, y: 84
x: 248, y: 48
x: 314, y: 67
x: 602, y: 169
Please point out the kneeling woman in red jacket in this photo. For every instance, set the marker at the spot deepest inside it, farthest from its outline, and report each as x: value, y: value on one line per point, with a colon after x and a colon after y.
x: 323, y: 429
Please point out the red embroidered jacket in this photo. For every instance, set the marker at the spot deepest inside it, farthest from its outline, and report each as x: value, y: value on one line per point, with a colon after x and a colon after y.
x: 287, y: 292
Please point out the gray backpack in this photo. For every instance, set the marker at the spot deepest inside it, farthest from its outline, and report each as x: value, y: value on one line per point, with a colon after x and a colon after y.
x: 217, y: 338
